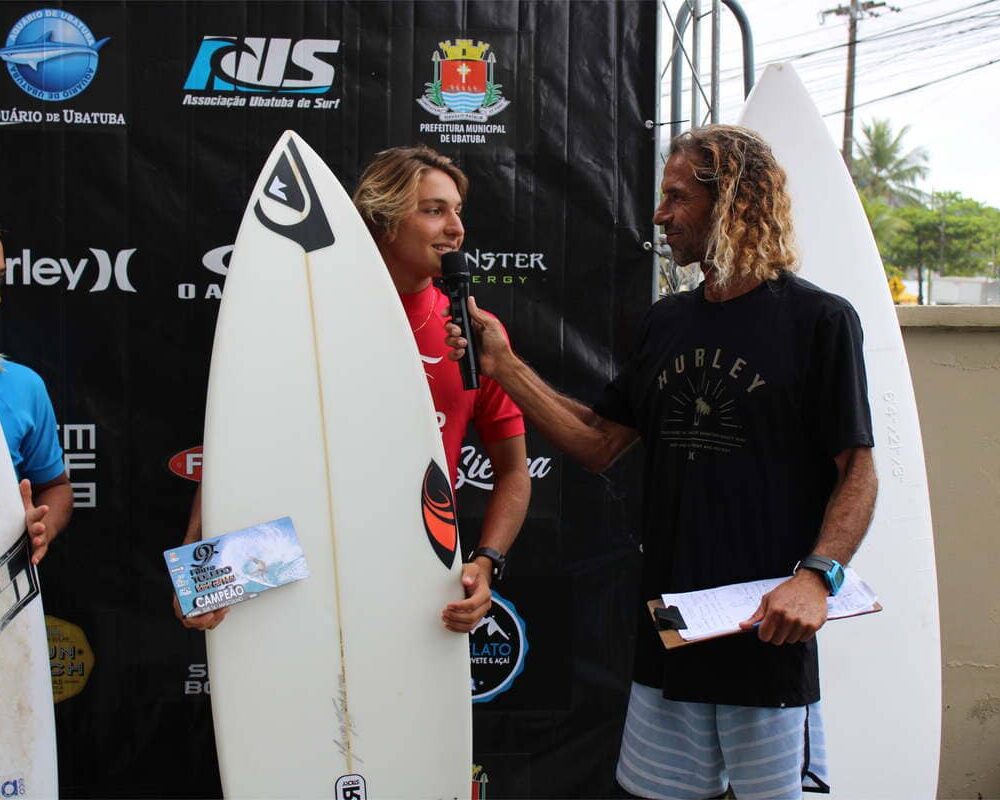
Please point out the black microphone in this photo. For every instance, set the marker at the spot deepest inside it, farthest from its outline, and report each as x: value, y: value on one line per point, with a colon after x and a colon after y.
x: 455, y: 276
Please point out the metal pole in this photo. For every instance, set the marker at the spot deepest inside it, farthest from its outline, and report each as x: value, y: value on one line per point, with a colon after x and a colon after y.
x: 676, y: 76
x: 852, y: 35
x: 716, y: 57
x: 695, y: 63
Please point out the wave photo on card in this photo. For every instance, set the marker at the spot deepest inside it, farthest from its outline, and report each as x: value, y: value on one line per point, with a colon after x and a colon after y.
x: 237, y: 566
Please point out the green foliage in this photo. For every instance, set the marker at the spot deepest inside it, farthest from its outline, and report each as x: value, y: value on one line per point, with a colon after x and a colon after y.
x: 952, y: 235
x: 433, y: 91
x: 883, y: 170
x: 492, y: 93
x: 944, y: 232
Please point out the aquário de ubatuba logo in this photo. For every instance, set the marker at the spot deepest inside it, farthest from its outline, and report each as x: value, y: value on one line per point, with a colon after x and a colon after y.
x: 438, y: 508
x: 464, y: 86
x: 51, y: 54
x: 497, y: 647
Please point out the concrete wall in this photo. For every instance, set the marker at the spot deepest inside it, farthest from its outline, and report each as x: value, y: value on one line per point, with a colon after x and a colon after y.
x: 954, y: 355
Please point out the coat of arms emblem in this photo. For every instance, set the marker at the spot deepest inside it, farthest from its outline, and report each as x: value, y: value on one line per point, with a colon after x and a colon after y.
x: 464, y: 87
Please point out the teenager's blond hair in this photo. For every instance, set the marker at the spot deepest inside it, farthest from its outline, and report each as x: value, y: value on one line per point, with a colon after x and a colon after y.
x: 387, y: 191
x: 752, y: 231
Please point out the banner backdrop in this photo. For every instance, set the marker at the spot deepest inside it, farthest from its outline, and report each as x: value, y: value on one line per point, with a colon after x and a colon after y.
x: 127, y: 157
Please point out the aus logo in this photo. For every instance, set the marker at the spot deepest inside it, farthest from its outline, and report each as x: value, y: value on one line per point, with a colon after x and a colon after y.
x: 256, y: 64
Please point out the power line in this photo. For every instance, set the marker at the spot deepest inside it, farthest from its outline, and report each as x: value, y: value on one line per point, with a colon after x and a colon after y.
x: 929, y: 32
x: 918, y: 87
x: 909, y: 27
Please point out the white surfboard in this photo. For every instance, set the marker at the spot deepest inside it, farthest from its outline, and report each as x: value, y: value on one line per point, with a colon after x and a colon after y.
x: 28, y: 767
x: 881, y: 674
x: 345, y: 684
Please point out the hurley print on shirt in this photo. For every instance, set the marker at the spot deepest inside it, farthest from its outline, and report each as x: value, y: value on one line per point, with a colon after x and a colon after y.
x: 702, y: 405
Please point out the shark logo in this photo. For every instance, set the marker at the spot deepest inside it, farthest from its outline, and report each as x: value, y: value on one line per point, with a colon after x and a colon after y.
x: 51, y: 54
x: 44, y: 49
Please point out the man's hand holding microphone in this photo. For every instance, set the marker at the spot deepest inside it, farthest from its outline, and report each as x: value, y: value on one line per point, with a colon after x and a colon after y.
x: 476, y: 339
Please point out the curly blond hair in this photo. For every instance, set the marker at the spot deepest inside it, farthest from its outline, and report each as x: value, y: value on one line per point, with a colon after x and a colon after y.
x: 752, y: 233
x: 388, y: 188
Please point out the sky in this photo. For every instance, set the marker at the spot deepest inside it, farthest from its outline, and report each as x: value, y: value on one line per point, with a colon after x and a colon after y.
x: 956, y: 121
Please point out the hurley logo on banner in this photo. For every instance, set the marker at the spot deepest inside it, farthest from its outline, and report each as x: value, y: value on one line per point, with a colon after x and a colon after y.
x: 260, y: 72
x: 28, y: 269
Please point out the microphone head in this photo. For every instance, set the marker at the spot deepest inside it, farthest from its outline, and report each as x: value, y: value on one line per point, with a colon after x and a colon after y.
x: 454, y: 264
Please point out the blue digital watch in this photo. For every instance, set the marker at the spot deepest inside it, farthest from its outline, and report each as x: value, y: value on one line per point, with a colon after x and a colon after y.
x: 831, y: 570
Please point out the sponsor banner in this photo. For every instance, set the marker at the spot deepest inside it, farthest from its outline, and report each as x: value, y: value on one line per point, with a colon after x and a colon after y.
x: 63, y: 69
x: 117, y: 248
x: 196, y: 682
x: 187, y: 464
x: 475, y: 468
x: 208, y: 286
x: 79, y: 444
x: 272, y: 72
x: 71, y: 658
x: 464, y: 89
x: 498, y: 646
x: 521, y: 651
x: 493, y: 267
x: 94, y: 270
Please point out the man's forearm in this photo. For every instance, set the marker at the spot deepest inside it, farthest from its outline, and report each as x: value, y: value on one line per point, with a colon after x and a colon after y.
x: 849, y: 510
x: 193, y: 532
x: 505, y: 511
x: 59, y: 498
x: 568, y: 424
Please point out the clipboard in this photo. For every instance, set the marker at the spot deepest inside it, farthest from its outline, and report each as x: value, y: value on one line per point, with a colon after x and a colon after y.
x: 668, y: 621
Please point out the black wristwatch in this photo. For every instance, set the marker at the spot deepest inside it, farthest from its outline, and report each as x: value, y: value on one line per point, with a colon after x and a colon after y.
x: 831, y: 570
x: 498, y: 559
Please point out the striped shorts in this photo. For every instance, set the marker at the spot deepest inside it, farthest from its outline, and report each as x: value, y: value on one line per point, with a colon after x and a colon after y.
x: 695, y: 751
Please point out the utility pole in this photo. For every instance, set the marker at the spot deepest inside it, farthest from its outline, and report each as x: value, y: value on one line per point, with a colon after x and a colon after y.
x: 853, y: 12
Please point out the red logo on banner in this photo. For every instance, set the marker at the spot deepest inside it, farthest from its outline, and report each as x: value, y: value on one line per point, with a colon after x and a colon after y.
x: 438, y: 505
x: 463, y: 76
x: 187, y: 464
x: 464, y: 85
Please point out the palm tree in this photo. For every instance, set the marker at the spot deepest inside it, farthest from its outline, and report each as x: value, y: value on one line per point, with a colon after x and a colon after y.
x: 883, y: 171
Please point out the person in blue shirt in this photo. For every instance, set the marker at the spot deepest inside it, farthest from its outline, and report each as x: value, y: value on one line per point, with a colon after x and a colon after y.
x: 29, y: 427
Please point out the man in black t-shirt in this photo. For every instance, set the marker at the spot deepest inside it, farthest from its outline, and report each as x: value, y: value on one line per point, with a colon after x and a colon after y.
x: 750, y: 398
